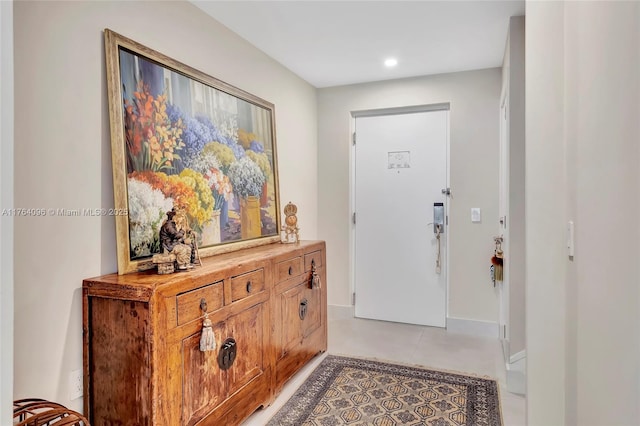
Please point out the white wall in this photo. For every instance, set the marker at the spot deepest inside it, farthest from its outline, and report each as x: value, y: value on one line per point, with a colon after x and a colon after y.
x: 474, y: 98
x: 602, y: 125
x: 516, y: 209
x: 545, y: 214
x: 6, y: 202
x: 63, y: 156
x: 583, y: 104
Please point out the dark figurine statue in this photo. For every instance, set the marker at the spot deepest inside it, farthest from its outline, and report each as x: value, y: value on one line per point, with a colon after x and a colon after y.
x: 174, y: 241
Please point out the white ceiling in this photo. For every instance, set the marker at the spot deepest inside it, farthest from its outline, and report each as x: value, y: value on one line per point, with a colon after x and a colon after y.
x: 331, y: 43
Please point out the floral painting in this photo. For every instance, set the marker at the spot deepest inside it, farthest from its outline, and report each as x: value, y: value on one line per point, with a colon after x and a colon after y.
x: 184, y: 140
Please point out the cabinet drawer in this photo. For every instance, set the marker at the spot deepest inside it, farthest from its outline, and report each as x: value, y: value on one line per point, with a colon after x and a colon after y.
x: 188, y: 304
x: 288, y: 268
x: 314, y: 257
x: 247, y: 284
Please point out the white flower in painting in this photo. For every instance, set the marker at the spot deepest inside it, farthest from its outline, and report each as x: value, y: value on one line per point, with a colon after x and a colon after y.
x: 205, y: 162
x: 246, y: 177
x: 147, y: 208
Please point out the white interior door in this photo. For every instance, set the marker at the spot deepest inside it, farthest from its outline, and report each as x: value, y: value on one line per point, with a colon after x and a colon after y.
x: 400, y: 171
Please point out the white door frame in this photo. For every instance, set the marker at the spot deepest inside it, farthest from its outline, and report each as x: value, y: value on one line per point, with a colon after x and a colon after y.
x: 503, y: 212
x: 445, y: 106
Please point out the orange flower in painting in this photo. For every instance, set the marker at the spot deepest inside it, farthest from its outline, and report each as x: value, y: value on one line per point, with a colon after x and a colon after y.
x: 185, y: 189
x: 152, y: 140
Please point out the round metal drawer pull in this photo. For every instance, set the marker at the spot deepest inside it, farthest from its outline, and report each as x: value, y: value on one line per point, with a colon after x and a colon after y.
x: 290, y: 270
x: 248, y: 286
x: 227, y: 354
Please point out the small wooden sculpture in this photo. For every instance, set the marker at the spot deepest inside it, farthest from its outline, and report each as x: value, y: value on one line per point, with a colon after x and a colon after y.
x: 290, y: 231
x: 178, y: 244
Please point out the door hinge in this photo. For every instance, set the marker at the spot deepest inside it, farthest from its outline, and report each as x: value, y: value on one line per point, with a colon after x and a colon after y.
x: 354, y: 138
x: 354, y: 218
x: 353, y: 298
x: 446, y: 218
x: 504, y: 331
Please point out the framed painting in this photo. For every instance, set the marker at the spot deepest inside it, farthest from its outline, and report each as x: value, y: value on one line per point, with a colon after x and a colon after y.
x: 185, y: 141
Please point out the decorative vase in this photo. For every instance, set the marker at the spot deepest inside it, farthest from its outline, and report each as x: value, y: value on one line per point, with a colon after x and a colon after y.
x: 211, y: 230
x: 250, y: 217
x: 263, y: 197
x: 224, y: 212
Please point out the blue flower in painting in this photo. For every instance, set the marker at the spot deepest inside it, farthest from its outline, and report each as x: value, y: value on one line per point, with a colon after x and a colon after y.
x: 174, y: 113
x: 195, y: 136
x: 238, y: 151
x: 212, y: 134
x: 211, y: 131
x: 199, y: 131
x: 256, y: 147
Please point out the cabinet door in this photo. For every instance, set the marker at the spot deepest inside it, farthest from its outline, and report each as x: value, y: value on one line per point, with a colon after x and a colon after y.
x: 290, y: 322
x: 204, y: 384
x: 247, y: 329
x: 313, y: 317
x: 301, y: 314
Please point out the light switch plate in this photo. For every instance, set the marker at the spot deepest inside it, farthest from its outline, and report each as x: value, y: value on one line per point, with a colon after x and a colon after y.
x: 570, y: 239
x: 475, y: 214
x: 75, y: 384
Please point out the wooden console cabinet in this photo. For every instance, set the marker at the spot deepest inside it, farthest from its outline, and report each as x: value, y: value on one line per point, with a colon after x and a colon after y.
x: 142, y: 359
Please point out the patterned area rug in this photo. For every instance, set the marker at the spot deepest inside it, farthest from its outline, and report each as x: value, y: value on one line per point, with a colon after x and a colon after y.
x: 349, y: 391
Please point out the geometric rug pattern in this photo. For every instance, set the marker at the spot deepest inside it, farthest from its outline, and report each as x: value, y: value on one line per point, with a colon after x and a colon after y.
x: 358, y: 392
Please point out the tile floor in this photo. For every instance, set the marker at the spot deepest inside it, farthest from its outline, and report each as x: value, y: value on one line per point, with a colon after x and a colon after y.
x: 410, y: 344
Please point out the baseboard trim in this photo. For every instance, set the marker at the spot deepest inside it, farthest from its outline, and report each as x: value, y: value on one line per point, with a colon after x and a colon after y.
x: 454, y: 325
x: 516, y: 374
x: 517, y: 356
x: 473, y: 327
x: 340, y: 312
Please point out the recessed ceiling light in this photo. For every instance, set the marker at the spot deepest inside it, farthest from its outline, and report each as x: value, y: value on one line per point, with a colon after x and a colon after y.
x: 391, y: 62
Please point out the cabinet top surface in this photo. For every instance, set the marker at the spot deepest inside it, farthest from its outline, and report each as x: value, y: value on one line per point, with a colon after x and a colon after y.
x: 146, y: 281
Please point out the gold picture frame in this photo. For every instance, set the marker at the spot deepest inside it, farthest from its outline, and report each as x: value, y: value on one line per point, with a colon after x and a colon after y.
x: 183, y: 139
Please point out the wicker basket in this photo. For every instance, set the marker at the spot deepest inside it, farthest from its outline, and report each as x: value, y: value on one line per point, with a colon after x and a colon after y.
x: 40, y: 412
